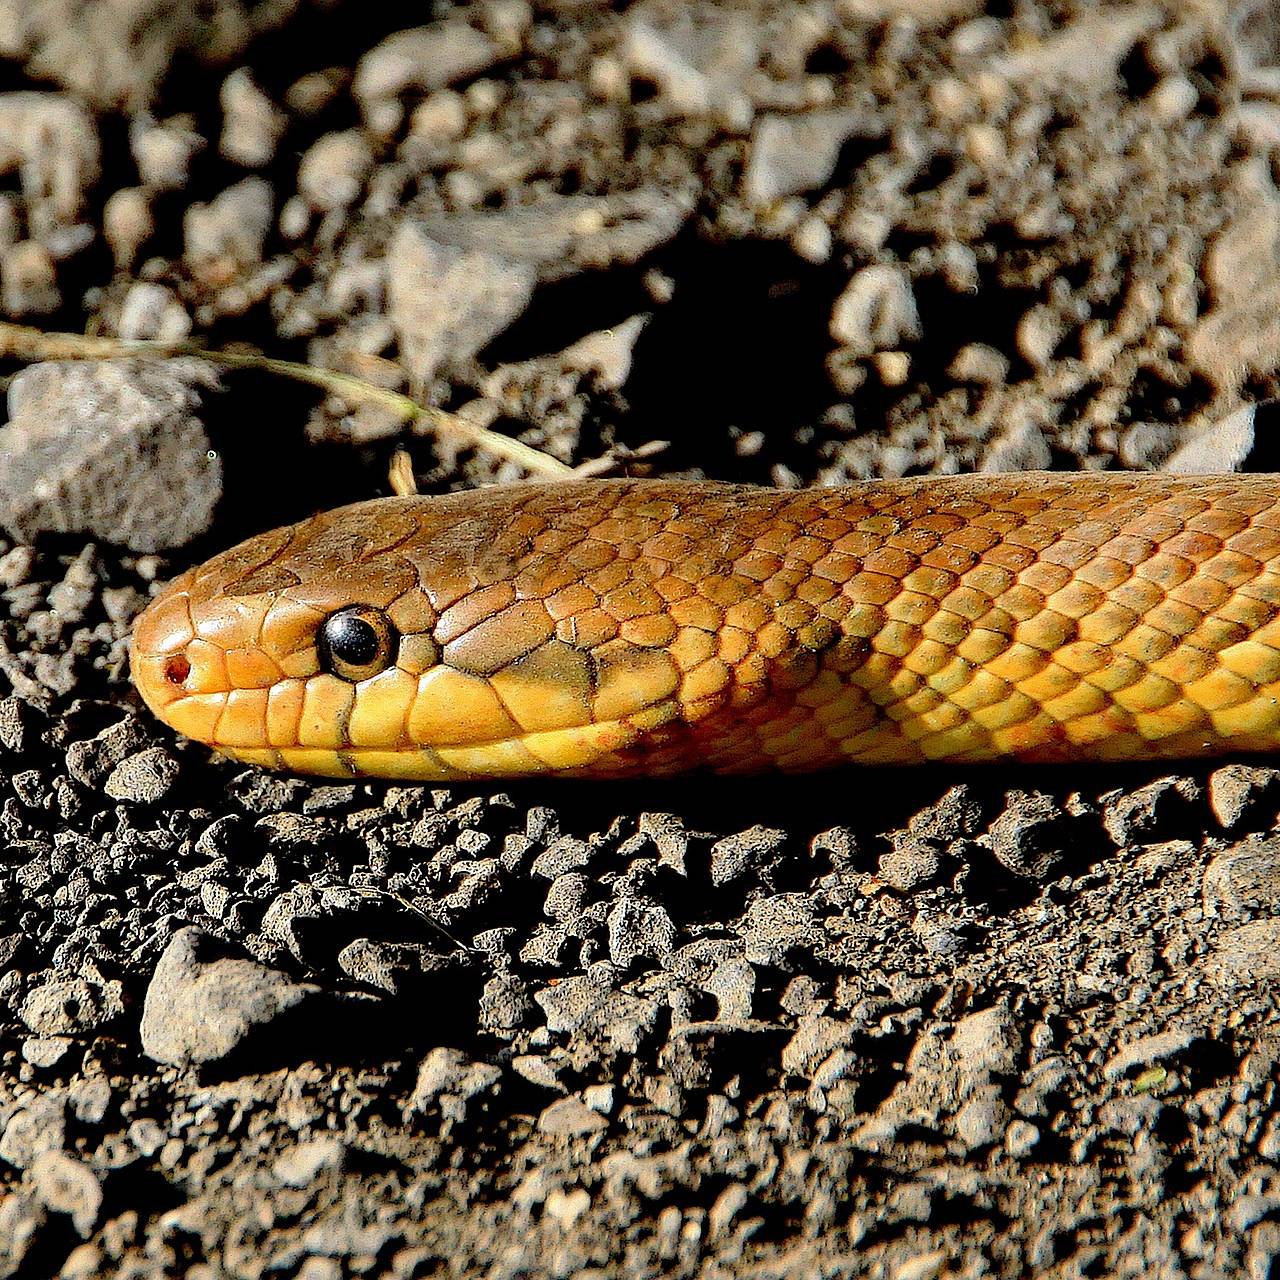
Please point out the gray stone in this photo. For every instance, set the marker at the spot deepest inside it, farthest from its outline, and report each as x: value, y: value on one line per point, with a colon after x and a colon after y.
x: 28, y: 280
x: 203, y: 1004
x: 747, y: 851
x: 504, y: 1003
x: 1142, y: 816
x: 63, y: 1008
x: 1242, y: 795
x: 424, y: 59
x: 144, y: 778
x: 113, y: 449
x: 876, y: 312
x: 570, y: 1118
x: 910, y: 864
x: 64, y: 1185
x: 639, y: 931
x: 38, y: 1126
x: 795, y: 153
x: 302, y: 1164
x: 163, y: 151
x: 49, y: 140
x: 252, y: 125
x: 1031, y: 835
x: 1247, y: 955
x: 333, y: 170
x: 1147, y: 1051
x: 232, y: 228
x: 1243, y: 879
x: 453, y: 1086
x: 448, y: 302
x: 90, y: 761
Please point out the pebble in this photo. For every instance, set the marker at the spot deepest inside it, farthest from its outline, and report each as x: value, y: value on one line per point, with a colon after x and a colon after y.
x: 38, y: 1126
x: 127, y: 224
x: 151, y: 312
x: 333, y: 170
x: 112, y: 448
x: 1032, y: 835
x: 28, y: 280
x: 1243, y: 879
x: 446, y: 302
x: 792, y: 154
x: 1243, y: 795
x: 232, y: 228
x: 302, y: 1164
x: 163, y: 151
x: 639, y: 930
x: 453, y: 1086
x: 876, y: 311
x: 570, y: 1118
x: 1146, y: 1051
x: 67, y: 1007
x: 252, y: 125
x: 1143, y: 815
x: 423, y: 58
x: 50, y: 140
x: 64, y: 1184
x: 202, y: 1003
x: 144, y: 778
x: 746, y: 852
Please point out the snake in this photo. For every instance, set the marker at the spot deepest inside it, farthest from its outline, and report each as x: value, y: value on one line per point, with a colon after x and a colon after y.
x: 614, y: 628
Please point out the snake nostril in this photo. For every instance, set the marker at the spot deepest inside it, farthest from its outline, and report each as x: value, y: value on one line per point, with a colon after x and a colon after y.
x: 177, y: 669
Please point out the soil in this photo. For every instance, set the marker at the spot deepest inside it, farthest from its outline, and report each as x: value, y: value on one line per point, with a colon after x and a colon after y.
x: 904, y: 1024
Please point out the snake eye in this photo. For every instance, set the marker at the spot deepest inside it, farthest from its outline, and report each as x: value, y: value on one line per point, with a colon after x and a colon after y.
x: 357, y: 643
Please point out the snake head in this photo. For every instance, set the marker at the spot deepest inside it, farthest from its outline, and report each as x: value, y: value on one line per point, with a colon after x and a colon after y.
x: 416, y: 638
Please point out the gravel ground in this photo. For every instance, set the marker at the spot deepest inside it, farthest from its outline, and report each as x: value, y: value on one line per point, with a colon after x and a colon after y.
x: 908, y: 1025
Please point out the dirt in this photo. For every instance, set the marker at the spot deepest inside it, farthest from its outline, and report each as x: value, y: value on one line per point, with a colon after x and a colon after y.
x: 891, y: 1024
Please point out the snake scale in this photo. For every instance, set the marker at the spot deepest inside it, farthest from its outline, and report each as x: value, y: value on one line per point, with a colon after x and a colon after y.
x: 612, y: 628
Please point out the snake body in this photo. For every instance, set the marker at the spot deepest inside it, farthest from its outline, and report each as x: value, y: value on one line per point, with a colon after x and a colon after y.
x: 614, y: 628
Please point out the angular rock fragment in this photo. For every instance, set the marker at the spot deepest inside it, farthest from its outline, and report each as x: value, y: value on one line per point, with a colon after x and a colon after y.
x: 114, y: 449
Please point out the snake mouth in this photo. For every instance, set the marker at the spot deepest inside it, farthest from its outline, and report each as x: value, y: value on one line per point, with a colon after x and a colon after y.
x: 600, y: 748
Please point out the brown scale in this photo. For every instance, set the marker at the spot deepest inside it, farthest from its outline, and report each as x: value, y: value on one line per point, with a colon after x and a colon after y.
x: 617, y: 627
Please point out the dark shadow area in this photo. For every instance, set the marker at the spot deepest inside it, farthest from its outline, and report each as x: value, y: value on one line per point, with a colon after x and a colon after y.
x: 741, y: 344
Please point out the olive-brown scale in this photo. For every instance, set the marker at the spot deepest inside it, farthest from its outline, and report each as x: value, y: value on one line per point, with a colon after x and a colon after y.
x: 625, y: 627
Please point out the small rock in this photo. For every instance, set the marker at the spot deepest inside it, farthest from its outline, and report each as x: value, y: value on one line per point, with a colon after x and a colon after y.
x: 1243, y: 879
x: 232, y: 228
x: 1144, y: 815
x: 109, y: 448
x: 1240, y: 794
x: 876, y: 311
x: 639, y: 930
x: 570, y: 1118
x: 150, y: 312
x: 453, y: 1085
x: 127, y: 224
x: 333, y: 170
x: 1247, y: 955
x: 1031, y: 837
x: 446, y: 302
x: 910, y: 864
x: 163, y: 151
x: 504, y: 1003
x: 44, y: 1052
x: 1148, y: 1051
x: 65, y: 1185
x: 983, y: 1119
x: 1020, y: 1139
x: 746, y: 852
x: 91, y: 761
x: 425, y: 59
x: 252, y: 125
x: 795, y: 153
x: 62, y: 1008
x: 28, y: 280
x: 203, y: 1004
x: 38, y: 1126
x: 144, y: 778
x: 303, y: 1163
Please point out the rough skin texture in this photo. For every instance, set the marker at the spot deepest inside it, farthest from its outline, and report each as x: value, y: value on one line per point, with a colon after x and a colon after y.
x: 613, y: 628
